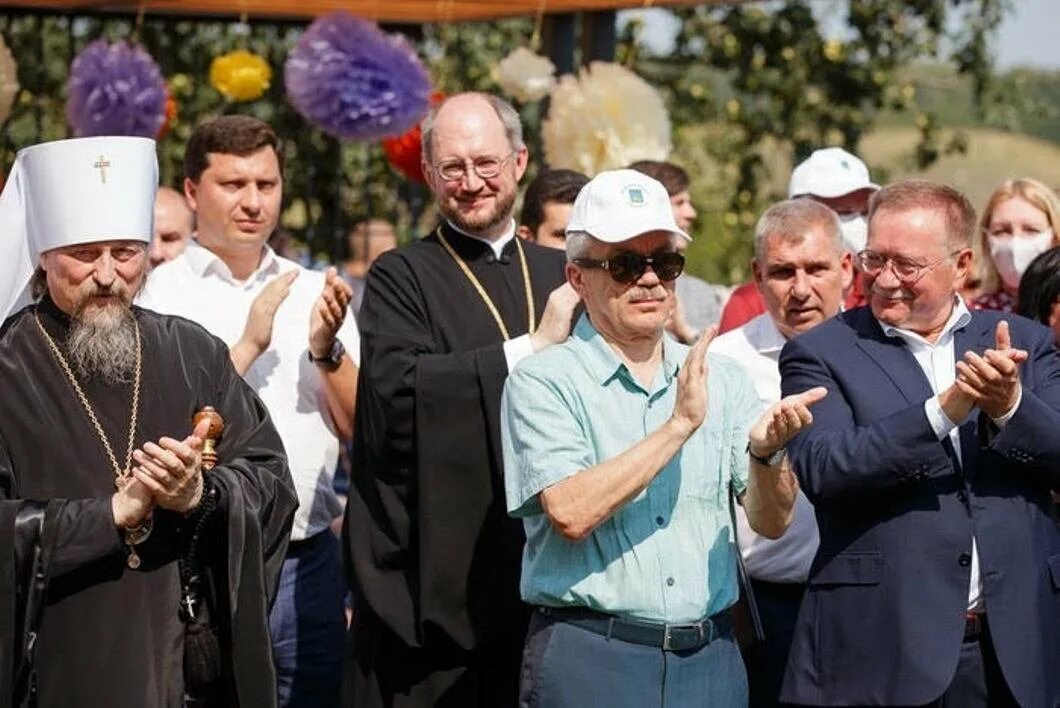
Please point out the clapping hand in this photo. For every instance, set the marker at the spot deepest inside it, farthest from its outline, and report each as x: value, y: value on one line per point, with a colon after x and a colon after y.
x: 258, y: 329
x: 329, y: 312
x: 172, y: 469
x: 992, y: 380
x: 690, y: 409
x: 778, y: 425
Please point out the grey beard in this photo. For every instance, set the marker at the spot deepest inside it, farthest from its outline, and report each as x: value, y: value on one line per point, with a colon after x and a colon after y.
x: 102, y: 344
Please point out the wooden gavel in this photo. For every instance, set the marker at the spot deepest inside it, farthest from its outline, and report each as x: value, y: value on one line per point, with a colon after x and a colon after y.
x: 217, y: 425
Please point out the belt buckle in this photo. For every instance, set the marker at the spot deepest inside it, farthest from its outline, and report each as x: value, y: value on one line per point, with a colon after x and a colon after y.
x: 668, y: 635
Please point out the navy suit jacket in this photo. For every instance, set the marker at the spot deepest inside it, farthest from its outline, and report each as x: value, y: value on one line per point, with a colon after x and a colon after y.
x: 883, y: 617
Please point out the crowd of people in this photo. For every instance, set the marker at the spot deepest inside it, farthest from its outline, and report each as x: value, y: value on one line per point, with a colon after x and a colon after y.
x: 573, y: 474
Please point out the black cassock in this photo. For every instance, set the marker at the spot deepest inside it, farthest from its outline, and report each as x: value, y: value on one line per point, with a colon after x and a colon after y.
x: 432, y: 556
x: 111, y: 636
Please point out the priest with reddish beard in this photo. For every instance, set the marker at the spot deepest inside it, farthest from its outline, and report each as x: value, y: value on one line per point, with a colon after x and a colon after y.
x: 431, y: 555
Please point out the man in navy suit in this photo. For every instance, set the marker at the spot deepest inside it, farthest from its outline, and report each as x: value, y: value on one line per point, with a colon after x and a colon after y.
x: 929, y: 464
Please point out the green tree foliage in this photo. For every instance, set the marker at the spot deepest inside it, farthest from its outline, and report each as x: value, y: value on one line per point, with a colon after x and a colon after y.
x: 750, y: 88
x: 774, y: 87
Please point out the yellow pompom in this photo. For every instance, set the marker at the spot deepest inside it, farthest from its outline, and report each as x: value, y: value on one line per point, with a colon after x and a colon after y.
x: 240, y: 75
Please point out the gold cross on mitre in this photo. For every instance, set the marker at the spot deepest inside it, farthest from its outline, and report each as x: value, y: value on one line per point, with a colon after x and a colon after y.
x: 102, y: 164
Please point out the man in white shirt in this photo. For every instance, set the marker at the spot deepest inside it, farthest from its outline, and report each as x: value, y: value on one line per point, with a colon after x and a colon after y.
x: 289, y: 336
x: 801, y: 268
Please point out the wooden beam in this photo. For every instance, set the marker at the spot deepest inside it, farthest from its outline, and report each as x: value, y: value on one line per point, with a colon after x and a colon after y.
x: 381, y: 10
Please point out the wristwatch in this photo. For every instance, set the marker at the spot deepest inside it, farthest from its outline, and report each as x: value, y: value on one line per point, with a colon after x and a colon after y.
x: 333, y: 358
x: 772, y: 460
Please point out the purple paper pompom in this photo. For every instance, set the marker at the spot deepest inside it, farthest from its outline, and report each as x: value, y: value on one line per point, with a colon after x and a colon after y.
x: 352, y: 80
x: 115, y: 89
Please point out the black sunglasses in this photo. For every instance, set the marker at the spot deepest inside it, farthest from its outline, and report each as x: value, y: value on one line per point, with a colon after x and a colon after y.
x: 627, y: 266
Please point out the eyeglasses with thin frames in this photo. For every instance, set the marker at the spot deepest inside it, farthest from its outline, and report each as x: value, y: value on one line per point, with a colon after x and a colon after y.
x: 905, y: 270
x: 484, y: 167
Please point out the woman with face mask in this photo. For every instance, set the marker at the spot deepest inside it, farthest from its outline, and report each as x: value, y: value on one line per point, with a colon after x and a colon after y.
x: 1020, y: 221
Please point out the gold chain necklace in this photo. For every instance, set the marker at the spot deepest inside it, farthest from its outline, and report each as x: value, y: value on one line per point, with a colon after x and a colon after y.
x: 531, y: 316
x: 121, y: 475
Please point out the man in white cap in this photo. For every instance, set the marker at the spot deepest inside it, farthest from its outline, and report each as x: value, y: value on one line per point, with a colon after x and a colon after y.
x: 840, y: 181
x: 621, y: 448
x: 134, y: 577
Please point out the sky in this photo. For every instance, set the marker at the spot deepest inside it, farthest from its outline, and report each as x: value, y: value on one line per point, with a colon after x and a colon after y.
x: 1027, y: 36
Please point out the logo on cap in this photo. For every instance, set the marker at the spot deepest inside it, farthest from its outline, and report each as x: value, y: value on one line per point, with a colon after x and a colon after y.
x: 635, y: 195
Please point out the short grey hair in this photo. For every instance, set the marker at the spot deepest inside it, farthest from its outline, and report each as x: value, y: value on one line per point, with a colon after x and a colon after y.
x: 506, y: 113
x: 579, y: 244
x: 791, y: 219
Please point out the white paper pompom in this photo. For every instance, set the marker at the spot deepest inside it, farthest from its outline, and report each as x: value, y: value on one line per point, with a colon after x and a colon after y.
x: 8, y: 81
x: 604, y: 119
x: 526, y: 76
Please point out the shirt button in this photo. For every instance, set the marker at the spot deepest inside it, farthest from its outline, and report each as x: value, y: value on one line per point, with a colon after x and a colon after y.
x: 964, y: 560
x: 660, y: 520
x: 670, y: 581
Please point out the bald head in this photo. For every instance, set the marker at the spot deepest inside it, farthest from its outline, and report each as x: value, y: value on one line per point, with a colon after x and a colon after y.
x: 473, y: 159
x: 174, y: 224
x: 472, y: 110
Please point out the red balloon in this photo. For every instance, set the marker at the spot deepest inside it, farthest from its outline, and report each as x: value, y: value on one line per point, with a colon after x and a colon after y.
x: 403, y: 152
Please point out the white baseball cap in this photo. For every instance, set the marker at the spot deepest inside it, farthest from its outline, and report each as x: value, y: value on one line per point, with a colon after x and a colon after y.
x: 69, y: 192
x: 829, y: 172
x: 617, y: 205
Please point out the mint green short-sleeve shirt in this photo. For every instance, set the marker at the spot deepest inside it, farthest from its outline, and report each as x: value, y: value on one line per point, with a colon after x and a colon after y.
x: 668, y: 554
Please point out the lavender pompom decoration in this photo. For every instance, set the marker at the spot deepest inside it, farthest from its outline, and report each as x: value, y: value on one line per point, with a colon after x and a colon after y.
x: 115, y: 89
x: 352, y: 80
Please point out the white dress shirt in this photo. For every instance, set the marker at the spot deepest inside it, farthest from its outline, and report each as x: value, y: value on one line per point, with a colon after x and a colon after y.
x: 938, y: 362
x: 787, y: 559
x: 199, y: 286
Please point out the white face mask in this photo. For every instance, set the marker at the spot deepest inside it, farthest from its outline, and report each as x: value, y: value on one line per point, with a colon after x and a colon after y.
x: 855, y: 231
x: 1012, y: 254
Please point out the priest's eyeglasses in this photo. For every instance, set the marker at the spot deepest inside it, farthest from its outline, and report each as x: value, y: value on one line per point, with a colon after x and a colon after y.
x: 484, y: 167
x: 628, y: 266
x: 905, y: 270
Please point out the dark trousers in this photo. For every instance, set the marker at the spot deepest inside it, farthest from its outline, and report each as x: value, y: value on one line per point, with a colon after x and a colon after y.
x: 382, y: 671
x: 308, y: 624
x: 978, y: 682
x: 778, y: 607
x: 565, y: 666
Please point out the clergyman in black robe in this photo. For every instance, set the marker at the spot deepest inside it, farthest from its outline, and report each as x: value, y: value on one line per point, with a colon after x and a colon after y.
x: 435, y: 558
x: 110, y: 635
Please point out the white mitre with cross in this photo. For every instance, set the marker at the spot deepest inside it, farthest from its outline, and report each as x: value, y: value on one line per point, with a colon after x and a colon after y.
x: 69, y: 192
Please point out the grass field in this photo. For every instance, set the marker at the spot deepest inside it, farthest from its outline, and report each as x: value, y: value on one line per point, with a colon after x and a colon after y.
x: 993, y: 156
